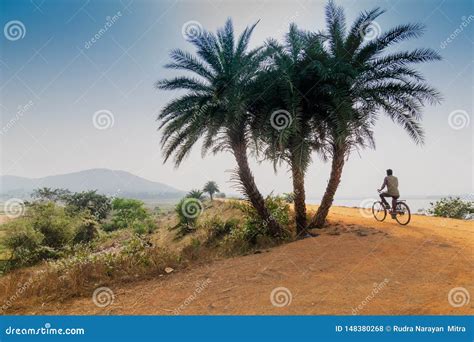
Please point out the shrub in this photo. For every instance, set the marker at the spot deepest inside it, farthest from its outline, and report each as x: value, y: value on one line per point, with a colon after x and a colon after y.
x: 24, y: 243
x: 47, y: 231
x: 54, y: 223
x: 109, y: 227
x: 217, y: 228
x: 188, y: 211
x: 255, y: 226
x: 87, y: 231
x: 127, y: 212
x: 146, y: 226
x: 254, y: 232
x: 452, y: 208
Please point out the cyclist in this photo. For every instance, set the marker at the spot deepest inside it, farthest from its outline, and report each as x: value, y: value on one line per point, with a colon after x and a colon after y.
x: 391, y: 182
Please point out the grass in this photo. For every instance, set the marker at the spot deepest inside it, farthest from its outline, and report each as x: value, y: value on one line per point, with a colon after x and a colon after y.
x: 121, y: 256
x: 3, y: 249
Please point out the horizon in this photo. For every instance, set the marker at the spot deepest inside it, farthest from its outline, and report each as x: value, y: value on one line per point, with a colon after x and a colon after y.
x: 56, y: 80
x: 236, y: 194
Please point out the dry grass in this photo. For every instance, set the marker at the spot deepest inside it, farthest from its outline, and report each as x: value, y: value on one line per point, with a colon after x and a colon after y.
x: 117, y: 257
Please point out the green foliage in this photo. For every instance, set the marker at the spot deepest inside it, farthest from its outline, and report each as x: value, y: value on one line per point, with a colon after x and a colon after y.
x: 49, y: 194
x: 24, y: 243
x: 288, y: 197
x: 47, y: 231
x: 214, y: 94
x: 452, y: 208
x: 217, y: 228
x: 254, y: 226
x: 188, y: 211
x: 211, y: 188
x: 51, y: 220
x: 87, y: 231
x: 195, y: 193
x: 130, y: 213
x: 98, y: 205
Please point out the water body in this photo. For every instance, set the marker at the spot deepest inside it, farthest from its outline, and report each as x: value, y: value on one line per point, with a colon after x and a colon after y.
x: 416, y: 204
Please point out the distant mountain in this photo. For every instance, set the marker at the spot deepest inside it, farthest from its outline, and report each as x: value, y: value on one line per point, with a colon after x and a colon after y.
x: 105, y: 181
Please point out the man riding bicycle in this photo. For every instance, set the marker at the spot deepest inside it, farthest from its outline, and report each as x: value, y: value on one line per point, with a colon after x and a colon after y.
x: 391, y: 182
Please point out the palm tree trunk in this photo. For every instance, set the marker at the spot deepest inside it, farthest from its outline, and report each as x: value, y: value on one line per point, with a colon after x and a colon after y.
x: 251, y: 190
x: 299, y: 199
x: 338, y: 160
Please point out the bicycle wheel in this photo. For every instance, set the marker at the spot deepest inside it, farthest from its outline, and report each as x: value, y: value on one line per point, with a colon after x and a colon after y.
x: 379, y: 211
x: 403, y: 213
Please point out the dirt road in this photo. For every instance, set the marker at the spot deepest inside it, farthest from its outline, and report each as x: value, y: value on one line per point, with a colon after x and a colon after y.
x: 357, y: 265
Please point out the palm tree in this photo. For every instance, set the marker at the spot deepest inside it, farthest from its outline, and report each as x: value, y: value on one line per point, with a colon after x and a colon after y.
x: 214, y: 106
x: 362, y: 80
x: 196, y: 194
x: 211, y: 188
x: 285, y: 122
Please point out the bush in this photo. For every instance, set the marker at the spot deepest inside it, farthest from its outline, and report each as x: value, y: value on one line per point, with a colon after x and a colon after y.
x: 452, y: 208
x: 54, y: 223
x: 24, y: 243
x: 253, y: 224
x: 188, y: 210
x: 87, y: 231
x: 146, y: 226
x: 128, y: 213
x: 47, y: 231
x: 109, y: 227
x: 254, y: 232
x: 218, y: 229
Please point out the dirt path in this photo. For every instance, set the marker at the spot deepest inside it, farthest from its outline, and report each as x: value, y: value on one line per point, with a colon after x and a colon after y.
x: 356, y: 265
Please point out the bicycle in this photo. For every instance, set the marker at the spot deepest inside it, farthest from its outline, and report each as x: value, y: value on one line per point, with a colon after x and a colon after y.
x: 402, y: 212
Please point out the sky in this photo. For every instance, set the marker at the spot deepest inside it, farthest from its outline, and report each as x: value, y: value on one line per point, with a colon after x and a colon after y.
x: 77, y: 91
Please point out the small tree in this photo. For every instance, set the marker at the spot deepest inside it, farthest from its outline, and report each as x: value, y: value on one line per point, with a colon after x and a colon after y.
x: 50, y: 194
x: 211, y: 188
x: 195, y: 193
x: 98, y: 205
x: 127, y: 212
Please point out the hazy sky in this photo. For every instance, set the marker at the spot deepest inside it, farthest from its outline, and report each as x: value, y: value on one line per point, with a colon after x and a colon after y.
x: 54, y: 78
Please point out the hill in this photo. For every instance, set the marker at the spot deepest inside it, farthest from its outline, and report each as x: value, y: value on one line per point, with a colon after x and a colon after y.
x: 105, y: 181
